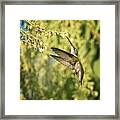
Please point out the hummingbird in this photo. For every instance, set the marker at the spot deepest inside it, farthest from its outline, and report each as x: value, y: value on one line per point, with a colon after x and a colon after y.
x: 69, y: 59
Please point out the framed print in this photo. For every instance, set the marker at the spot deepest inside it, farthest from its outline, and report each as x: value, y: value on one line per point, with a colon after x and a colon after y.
x: 60, y: 59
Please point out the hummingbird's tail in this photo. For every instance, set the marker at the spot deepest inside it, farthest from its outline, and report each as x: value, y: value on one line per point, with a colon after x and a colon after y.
x: 81, y: 77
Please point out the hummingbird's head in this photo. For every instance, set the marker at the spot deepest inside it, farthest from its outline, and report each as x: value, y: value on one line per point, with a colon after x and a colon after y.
x: 74, y: 51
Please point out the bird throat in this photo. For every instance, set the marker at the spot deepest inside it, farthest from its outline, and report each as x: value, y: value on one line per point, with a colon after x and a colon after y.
x: 77, y: 67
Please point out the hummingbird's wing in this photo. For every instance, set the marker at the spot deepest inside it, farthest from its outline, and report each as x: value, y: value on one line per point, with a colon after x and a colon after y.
x: 63, y: 61
x: 65, y: 56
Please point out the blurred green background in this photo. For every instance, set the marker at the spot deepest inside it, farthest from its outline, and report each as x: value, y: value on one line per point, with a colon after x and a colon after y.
x: 42, y: 77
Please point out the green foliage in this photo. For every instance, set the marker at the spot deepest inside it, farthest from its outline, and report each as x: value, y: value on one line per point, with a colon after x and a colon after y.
x: 42, y: 77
